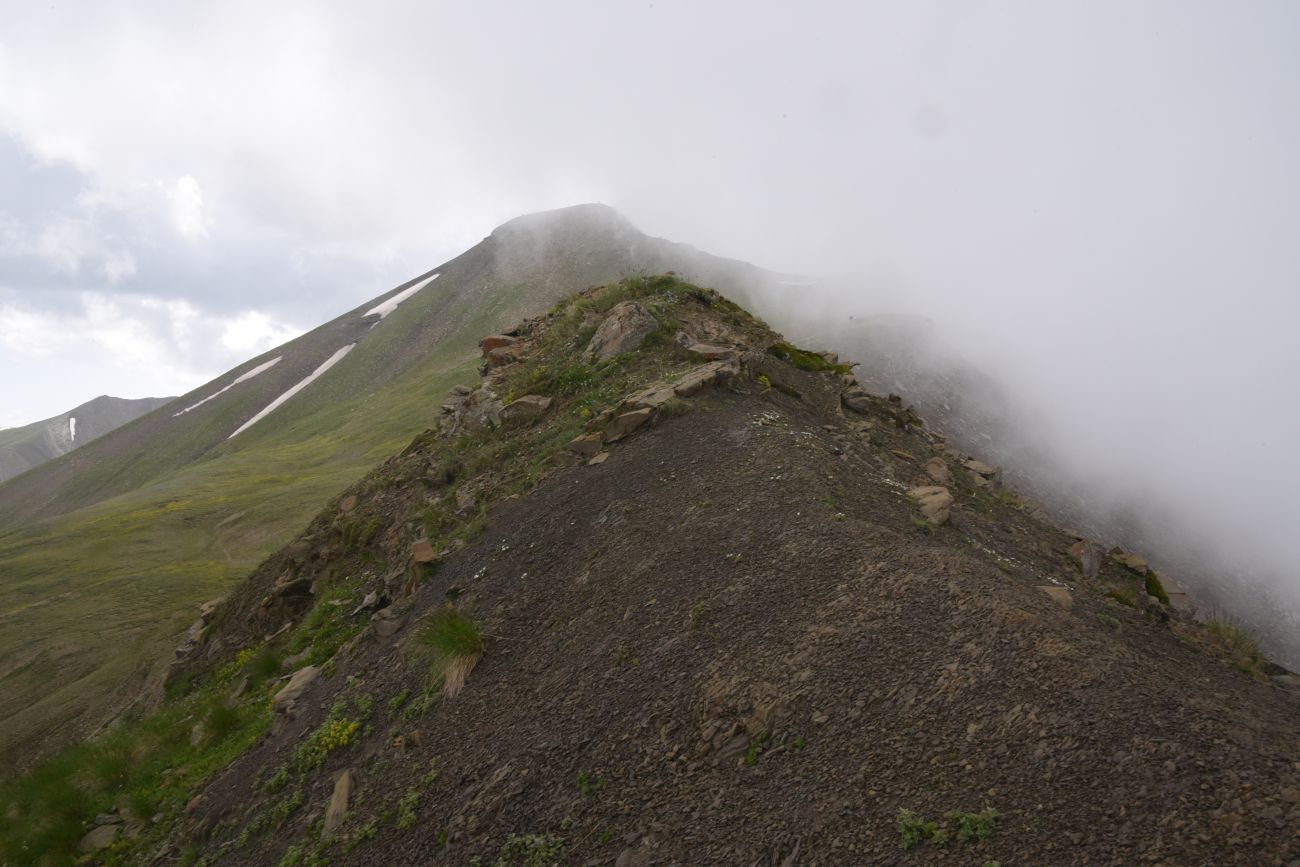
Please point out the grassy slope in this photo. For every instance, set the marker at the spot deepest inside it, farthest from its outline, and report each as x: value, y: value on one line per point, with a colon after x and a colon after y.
x: 124, y: 577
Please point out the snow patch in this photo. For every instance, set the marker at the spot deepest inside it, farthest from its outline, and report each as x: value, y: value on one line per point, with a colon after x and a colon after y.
x: 261, y: 368
x: 385, y: 307
x: 72, y: 427
x: 273, y: 405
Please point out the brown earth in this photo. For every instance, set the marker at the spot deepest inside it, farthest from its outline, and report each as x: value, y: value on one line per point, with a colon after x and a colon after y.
x: 735, y: 641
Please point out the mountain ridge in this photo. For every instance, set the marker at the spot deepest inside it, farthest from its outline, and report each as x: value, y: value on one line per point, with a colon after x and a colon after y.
x: 713, y: 602
x: 28, y: 446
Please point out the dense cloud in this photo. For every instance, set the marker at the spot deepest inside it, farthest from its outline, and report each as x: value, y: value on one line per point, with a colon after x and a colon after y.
x: 1096, y: 203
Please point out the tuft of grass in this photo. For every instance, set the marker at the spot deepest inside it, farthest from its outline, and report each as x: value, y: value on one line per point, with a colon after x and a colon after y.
x: 1107, y: 621
x: 922, y: 525
x: 456, y: 645
x: 221, y: 720
x: 1239, y: 643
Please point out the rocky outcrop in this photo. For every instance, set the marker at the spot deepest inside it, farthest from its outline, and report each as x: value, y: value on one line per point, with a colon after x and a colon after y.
x: 628, y: 324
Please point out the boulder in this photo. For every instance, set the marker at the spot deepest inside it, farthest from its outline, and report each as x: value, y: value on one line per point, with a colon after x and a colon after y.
x: 586, y: 445
x: 284, y: 700
x: 624, y: 329
x: 100, y: 837
x: 496, y: 341
x: 651, y: 398
x: 934, y: 501
x: 1059, y: 595
x: 528, y: 406
x: 338, y: 805
x: 349, y: 503
x: 422, y: 552
x: 624, y: 424
x: 936, y: 469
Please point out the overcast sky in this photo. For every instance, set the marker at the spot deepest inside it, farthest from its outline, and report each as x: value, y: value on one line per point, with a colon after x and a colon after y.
x: 1102, y: 194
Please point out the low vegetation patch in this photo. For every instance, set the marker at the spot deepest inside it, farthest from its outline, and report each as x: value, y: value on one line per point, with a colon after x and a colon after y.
x: 914, y: 829
x: 1155, y: 588
x: 805, y: 360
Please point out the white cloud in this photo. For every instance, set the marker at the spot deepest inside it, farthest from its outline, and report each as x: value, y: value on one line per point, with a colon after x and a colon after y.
x: 251, y: 333
x: 186, y: 206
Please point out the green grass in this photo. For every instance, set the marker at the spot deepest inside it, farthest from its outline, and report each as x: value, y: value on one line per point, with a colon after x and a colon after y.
x: 92, y: 596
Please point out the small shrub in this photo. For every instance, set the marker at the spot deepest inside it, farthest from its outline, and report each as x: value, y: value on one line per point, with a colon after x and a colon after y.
x: 1107, y: 621
x: 914, y: 829
x: 975, y: 826
x: 456, y: 645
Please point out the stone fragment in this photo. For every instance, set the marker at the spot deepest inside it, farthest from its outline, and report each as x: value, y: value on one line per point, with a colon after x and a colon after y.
x: 338, y: 805
x: 422, y: 552
x: 934, y: 501
x: 586, y: 445
x: 349, y: 503
x: 528, y: 406
x: 598, y: 459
